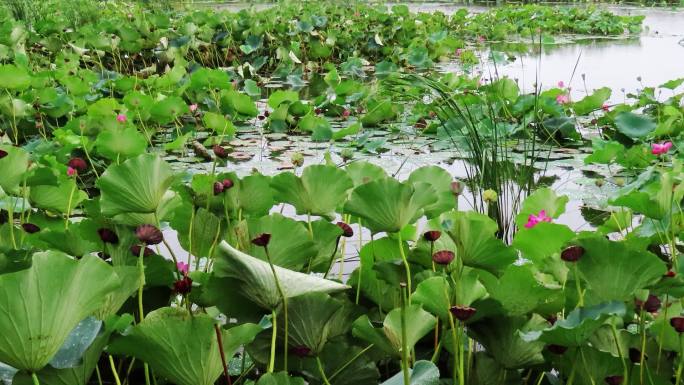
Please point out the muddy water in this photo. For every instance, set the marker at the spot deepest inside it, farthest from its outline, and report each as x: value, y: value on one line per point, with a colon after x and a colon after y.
x: 655, y: 57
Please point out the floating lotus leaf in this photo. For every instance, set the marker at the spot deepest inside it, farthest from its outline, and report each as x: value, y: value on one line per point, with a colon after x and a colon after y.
x: 43, y: 304
x: 258, y: 283
x: 182, y: 347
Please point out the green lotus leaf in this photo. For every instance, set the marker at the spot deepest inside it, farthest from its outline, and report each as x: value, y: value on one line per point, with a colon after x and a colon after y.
x: 310, y: 317
x: 422, y: 373
x: 387, y: 205
x: 634, y: 125
x: 664, y: 333
x: 14, y: 167
x: 363, y: 172
x: 121, y: 143
x: 518, y: 291
x: 129, y: 281
x: 280, y: 378
x: 592, y: 102
x: 326, y: 238
x: 477, y: 246
x: 336, y: 361
x: 580, y: 324
x: 318, y: 191
x: 75, y: 240
x: 199, y: 231
x: 218, y: 123
x: 616, y: 270
x: 435, y: 295
x: 138, y: 185
x: 373, y: 285
x: 14, y: 77
x: 440, y: 180
x: 251, y: 196
x: 282, y: 96
x: 235, y: 103
x: 258, y: 283
x: 555, y: 237
x: 542, y: 199
x: 182, y: 347
x: 502, y: 339
x: 592, y: 365
x: 43, y: 304
x: 290, y: 247
x: 167, y: 110
x: 62, y: 198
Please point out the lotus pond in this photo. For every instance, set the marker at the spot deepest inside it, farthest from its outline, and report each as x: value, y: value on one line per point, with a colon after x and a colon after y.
x: 316, y: 193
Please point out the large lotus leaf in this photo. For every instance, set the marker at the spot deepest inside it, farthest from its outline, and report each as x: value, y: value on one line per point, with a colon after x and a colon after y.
x: 542, y: 199
x: 251, y: 196
x: 309, y: 319
x: 422, y: 373
x: 488, y: 372
x: 326, y: 237
x: 129, y: 281
x: 318, y: 191
x: 592, y: 102
x: 138, y: 185
x: 440, y: 180
x: 290, y: 247
x: 387, y: 205
x: 199, y: 231
x: 519, y: 291
x: 61, y: 198
x: 363, y: 328
x: 280, y: 378
x: 435, y: 295
x: 182, y: 347
x: 592, y: 365
x: 502, y: 339
x: 336, y: 360
x: 664, y: 333
x: 373, y: 285
x: 120, y: 143
x: 43, y: 304
x: 234, y: 306
x: 579, y: 324
x: 634, y: 125
x: 78, y: 240
x: 640, y: 202
x: 555, y: 237
x: 616, y: 270
x: 258, y: 283
x: 418, y: 324
x: 14, y: 77
x: 165, y: 111
x: 14, y: 165
x: 474, y: 235
x: 363, y: 172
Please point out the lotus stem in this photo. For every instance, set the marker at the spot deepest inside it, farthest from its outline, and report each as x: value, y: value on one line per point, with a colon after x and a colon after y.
x: 461, y: 355
x: 274, y: 321
x: 580, y: 294
x: 99, y: 376
x: 620, y: 354
x: 68, y: 211
x: 114, y: 373
x: 678, y: 375
x: 406, y: 266
x: 219, y: 339
x: 642, y: 330
x: 147, y: 373
x: 284, y: 300
x: 358, y: 284
x: 34, y: 377
x: 404, y: 345
x: 332, y: 257
x: 320, y: 369
x: 454, y: 341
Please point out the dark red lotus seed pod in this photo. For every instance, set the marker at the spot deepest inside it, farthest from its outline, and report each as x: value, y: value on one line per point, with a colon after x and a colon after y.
x: 635, y: 355
x: 347, y: 231
x: 552, y: 319
x: 262, y: 239
x: 30, y: 228
x: 670, y: 274
x: 108, y: 236
x: 432, y: 235
x: 651, y: 305
x: 266, y: 113
x: 677, y: 323
x: 614, y: 380
x: 147, y: 252
x: 300, y: 351
x: 218, y: 188
x: 78, y: 164
x: 462, y: 313
x: 149, y: 234
x: 572, y: 253
x: 227, y: 184
x: 318, y: 111
x: 557, y: 349
x: 3, y: 154
x: 261, y: 117
x: 443, y: 257
x: 220, y: 152
x: 183, y: 285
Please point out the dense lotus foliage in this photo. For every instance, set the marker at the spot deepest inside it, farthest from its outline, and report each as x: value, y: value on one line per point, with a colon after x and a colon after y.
x: 121, y: 265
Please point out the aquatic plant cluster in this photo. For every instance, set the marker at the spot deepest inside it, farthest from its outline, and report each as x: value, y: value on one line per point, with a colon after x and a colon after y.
x: 119, y: 266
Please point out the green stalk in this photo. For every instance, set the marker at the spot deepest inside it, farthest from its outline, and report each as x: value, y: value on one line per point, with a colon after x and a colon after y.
x: 141, y: 311
x: 114, y: 373
x: 68, y: 212
x: 34, y: 377
x: 320, y: 369
x: 284, y: 300
x: 454, y: 339
x: 406, y: 266
x: 678, y: 375
x: 622, y: 357
x: 461, y: 355
x: 274, y: 321
x: 404, y: 346
x: 346, y: 365
x: 580, y: 294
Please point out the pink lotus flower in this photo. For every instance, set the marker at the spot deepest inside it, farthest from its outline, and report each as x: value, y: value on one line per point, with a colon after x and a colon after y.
x: 346, y: 113
x: 660, y: 148
x: 481, y: 39
x: 121, y: 118
x: 459, y: 52
x: 183, y: 267
x: 533, y: 220
x: 193, y: 107
x: 71, y: 171
x: 561, y: 84
x: 605, y: 107
x: 563, y: 99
